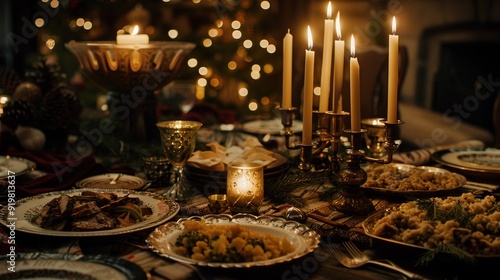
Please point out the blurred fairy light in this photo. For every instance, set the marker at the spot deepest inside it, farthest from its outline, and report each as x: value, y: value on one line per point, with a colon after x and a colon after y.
x: 268, y: 68
x: 215, y: 82
x: 235, y: 24
x: 203, y: 70
x: 192, y: 62
x: 173, y: 33
x: 237, y: 34
x: 271, y: 48
x: 166, y: 1
x: 219, y: 23
x: 256, y: 67
x: 243, y: 92
x: 247, y: 43
x: 50, y: 43
x: 265, y: 100
x: 80, y: 22
x: 54, y: 4
x: 39, y: 22
x: 255, y: 75
x: 317, y: 91
x: 264, y: 43
x: 202, y: 82
x: 212, y: 32
x: 207, y: 42
x: 265, y: 5
x: 253, y: 106
x: 196, y: 1
x: 87, y: 25
x: 231, y: 65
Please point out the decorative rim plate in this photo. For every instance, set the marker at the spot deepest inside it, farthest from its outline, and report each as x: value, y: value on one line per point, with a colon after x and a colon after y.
x: 272, y: 127
x: 368, y: 227
x: 64, y: 266
x: 163, y: 210
x: 305, y: 240
x: 17, y: 165
x: 102, y: 182
x: 420, y: 193
x: 476, y: 163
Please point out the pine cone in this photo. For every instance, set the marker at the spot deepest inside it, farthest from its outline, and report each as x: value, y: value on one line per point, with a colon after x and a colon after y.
x: 28, y: 91
x: 55, y: 112
x: 73, y: 102
x: 17, y: 112
x: 45, y: 75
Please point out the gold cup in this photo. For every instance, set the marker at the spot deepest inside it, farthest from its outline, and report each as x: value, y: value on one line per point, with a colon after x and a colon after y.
x: 217, y: 203
x: 245, y: 187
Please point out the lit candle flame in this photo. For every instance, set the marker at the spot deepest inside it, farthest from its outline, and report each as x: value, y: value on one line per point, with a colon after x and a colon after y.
x: 135, y: 30
x: 337, y: 26
x: 329, y: 10
x: 353, y: 46
x: 393, y: 25
x: 309, y: 38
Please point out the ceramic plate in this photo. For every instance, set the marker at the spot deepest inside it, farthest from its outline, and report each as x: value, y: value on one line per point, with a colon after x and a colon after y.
x: 27, y: 208
x: 16, y: 166
x: 405, y: 168
x: 59, y: 266
x: 272, y: 127
x: 480, y: 164
x: 305, y: 240
x: 102, y: 182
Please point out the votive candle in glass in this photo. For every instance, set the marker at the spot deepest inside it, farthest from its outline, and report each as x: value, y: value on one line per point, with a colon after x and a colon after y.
x: 245, y: 187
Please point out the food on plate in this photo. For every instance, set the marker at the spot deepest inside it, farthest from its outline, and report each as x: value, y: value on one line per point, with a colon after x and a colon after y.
x: 218, y: 157
x: 466, y: 222
x: 228, y: 243
x: 391, y: 177
x: 91, y: 211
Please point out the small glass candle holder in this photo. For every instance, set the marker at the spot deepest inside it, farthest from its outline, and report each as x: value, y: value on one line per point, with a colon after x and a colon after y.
x: 217, y: 203
x: 245, y: 187
x: 158, y: 171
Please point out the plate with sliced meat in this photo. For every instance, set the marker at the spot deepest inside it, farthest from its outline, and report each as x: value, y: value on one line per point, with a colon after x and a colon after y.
x: 89, y: 212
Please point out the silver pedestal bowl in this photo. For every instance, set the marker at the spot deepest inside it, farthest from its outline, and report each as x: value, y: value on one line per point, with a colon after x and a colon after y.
x: 133, y: 74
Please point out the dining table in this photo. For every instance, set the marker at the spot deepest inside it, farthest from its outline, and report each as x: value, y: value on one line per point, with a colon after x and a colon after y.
x: 332, y: 226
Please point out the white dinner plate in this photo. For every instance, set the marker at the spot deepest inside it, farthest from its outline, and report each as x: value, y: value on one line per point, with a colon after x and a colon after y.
x: 305, y: 240
x: 15, y: 166
x: 64, y: 266
x: 481, y: 164
x: 124, y: 181
x: 27, y: 208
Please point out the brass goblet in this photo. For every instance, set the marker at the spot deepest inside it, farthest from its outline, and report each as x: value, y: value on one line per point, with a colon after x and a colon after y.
x: 178, y: 138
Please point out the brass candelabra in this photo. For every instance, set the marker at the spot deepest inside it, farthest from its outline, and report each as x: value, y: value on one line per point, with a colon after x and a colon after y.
x: 330, y: 128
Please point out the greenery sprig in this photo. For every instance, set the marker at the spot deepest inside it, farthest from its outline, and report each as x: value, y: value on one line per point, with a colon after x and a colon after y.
x: 449, y: 249
x: 281, y: 190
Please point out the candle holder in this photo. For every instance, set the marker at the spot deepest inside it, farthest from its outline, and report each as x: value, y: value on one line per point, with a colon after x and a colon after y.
x: 132, y: 73
x: 245, y: 187
x: 351, y: 199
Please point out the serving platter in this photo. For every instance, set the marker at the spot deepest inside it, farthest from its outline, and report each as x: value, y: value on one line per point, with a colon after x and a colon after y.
x: 26, y: 209
x: 102, y: 181
x: 483, y: 164
x: 15, y: 165
x: 304, y: 239
x: 368, y: 227
x: 406, y: 169
x: 64, y: 266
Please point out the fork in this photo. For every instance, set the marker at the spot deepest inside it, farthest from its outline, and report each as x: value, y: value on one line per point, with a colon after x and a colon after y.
x: 362, y: 259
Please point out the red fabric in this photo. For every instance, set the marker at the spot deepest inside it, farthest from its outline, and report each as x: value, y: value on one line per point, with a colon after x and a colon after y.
x: 64, y: 170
